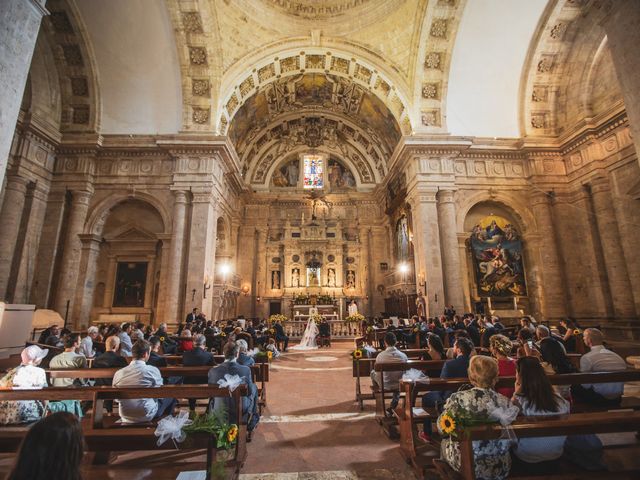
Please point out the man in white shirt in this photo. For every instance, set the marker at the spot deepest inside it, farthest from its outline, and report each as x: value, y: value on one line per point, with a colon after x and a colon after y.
x: 599, y: 359
x: 86, y: 345
x: 391, y: 379
x: 125, y: 340
x: 139, y: 374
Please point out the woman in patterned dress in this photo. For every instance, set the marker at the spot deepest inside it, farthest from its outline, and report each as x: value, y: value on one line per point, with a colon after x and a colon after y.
x: 491, y: 457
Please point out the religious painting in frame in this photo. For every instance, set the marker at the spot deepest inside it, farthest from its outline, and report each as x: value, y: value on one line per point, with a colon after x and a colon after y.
x: 496, y: 248
x: 131, y: 282
x: 402, y: 239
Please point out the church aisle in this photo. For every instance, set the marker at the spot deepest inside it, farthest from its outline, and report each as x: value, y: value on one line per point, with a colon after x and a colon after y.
x: 312, y: 424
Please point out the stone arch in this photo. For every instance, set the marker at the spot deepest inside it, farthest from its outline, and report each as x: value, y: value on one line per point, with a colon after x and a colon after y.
x: 255, y: 72
x: 557, y: 88
x: 510, y: 202
x: 75, y: 64
x: 432, y: 65
x: 99, y: 213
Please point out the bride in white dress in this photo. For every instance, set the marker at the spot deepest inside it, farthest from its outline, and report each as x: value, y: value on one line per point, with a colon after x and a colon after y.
x: 308, y: 341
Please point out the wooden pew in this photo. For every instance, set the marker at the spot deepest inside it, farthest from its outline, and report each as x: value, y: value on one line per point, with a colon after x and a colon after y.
x: 362, y: 367
x: 574, y: 424
x: 103, y: 438
x: 259, y: 373
x: 420, y: 455
x: 383, y: 392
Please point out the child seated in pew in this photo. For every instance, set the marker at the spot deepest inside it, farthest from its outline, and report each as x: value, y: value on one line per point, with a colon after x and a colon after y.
x: 534, y: 396
x: 271, y: 347
x: 187, y: 344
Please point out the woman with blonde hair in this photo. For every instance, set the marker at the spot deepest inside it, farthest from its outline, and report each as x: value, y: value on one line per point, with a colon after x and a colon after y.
x: 500, y: 348
x: 482, y: 402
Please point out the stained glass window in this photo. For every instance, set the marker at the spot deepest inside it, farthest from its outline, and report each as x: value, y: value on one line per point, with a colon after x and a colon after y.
x: 313, y: 171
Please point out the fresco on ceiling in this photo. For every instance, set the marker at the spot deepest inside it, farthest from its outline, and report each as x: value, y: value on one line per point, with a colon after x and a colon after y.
x: 319, y: 92
x: 496, y: 247
x: 286, y: 175
x: 339, y: 175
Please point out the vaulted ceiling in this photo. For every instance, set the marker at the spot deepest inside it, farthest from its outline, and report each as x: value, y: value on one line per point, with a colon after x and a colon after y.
x: 357, y: 73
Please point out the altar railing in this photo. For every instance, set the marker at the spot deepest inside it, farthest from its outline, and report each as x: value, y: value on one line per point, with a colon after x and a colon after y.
x: 339, y: 329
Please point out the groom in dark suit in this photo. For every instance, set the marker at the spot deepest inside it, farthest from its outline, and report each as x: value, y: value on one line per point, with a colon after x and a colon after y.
x: 281, y: 336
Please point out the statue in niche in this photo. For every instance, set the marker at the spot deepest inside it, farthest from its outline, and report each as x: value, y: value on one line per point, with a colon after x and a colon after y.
x: 275, y: 280
x: 421, y: 305
x: 331, y: 277
x: 351, y: 279
x: 402, y: 239
x: 295, y: 277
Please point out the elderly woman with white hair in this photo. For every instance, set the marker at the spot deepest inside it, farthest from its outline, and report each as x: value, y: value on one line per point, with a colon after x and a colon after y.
x: 26, y: 375
x: 86, y: 345
x: 244, y: 358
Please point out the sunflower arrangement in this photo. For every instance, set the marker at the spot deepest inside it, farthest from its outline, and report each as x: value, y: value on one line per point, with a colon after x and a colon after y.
x: 355, y: 318
x: 215, y: 423
x: 358, y: 354
x: 317, y: 318
x: 453, y: 422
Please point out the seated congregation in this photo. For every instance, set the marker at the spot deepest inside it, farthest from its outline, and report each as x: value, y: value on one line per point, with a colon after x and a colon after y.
x: 68, y: 383
x: 442, y: 385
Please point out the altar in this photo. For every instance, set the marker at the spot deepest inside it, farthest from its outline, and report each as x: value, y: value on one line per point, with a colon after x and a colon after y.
x: 303, y: 312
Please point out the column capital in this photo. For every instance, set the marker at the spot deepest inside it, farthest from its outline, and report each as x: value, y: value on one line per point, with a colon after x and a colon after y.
x: 180, y: 196
x: 89, y: 239
x: 18, y: 183
x: 81, y: 196
x: 599, y: 184
x: 539, y: 197
x: 446, y: 195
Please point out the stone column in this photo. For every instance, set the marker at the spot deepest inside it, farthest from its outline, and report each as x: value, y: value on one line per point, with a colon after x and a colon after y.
x: 68, y: 279
x: 176, y: 255
x: 10, y: 219
x: 620, y: 286
x: 48, y: 249
x: 19, y: 26
x: 90, y: 250
x: 453, y: 282
x: 622, y: 25
x: 202, y: 252
x: 110, y: 283
x: 24, y: 282
x: 427, y: 252
x: 555, y: 299
x: 465, y: 273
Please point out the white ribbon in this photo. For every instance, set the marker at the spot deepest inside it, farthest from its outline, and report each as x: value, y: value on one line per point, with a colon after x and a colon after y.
x: 370, y: 350
x: 171, y: 428
x: 415, y: 375
x: 506, y: 418
x: 230, y: 381
x: 253, y: 353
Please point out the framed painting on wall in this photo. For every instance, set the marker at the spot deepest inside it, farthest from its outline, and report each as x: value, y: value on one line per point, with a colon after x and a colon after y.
x: 131, y: 282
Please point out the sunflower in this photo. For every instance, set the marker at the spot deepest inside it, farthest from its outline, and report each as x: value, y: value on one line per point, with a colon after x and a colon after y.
x: 269, y: 354
x: 162, y: 339
x: 357, y: 354
x: 447, y: 424
x: 222, y: 334
x: 232, y: 433
x: 576, y: 332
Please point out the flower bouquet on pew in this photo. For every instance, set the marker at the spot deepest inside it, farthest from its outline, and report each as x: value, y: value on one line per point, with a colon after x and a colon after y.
x: 454, y: 421
x: 179, y: 427
x: 366, y: 351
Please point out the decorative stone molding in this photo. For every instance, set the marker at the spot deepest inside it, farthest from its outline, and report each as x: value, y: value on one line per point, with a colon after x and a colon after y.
x: 198, y: 55
x: 430, y: 91
x: 433, y: 60
x: 201, y: 87
x: 75, y: 67
x: 439, y: 28
x: 200, y: 115
x: 191, y: 22
x: 431, y: 118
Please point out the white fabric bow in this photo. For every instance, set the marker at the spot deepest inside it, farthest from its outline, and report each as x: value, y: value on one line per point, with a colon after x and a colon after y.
x: 230, y: 381
x: 171, y: 427
x: 415, y: 375
x: 253, y: 353
x: 506, y: 416
x: 369, y: 349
